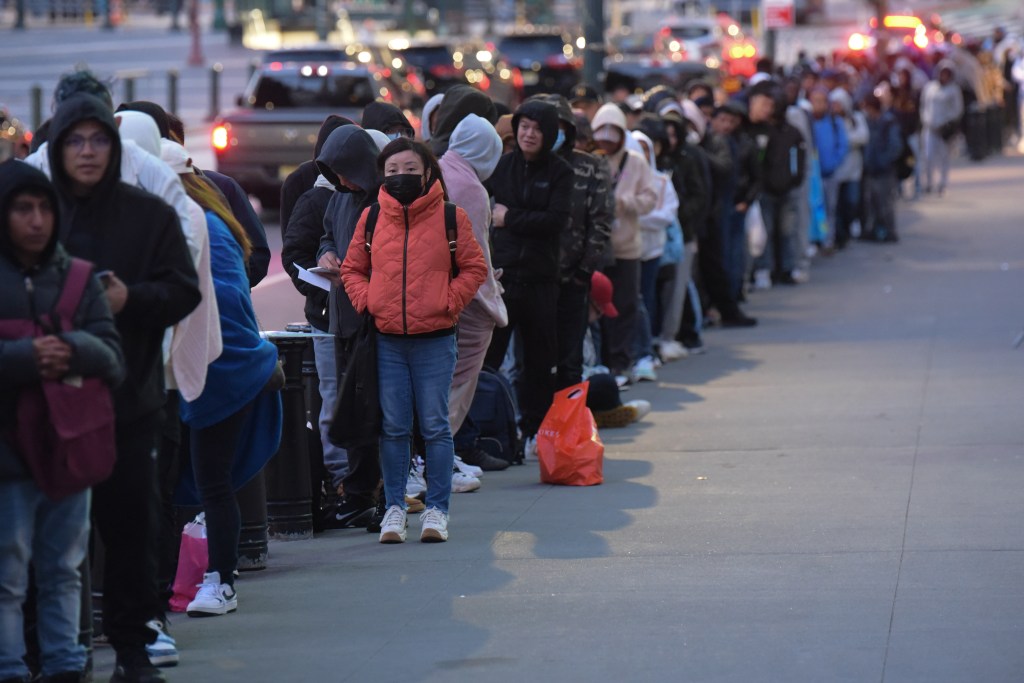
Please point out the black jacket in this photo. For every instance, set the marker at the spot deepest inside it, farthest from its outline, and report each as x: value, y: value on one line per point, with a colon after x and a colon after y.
x: 350, y: 148
x: 138, y: 237
x: 784, y: 159
x: 301, y: 243
x: 96, y: 348
x: 301, y: 179
x: 585, y: 238
x: 538, y: 195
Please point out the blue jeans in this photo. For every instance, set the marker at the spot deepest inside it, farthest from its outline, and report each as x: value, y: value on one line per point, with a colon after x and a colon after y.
x: 335, y: 458
x: 54, y: 537
x: 416, y: 374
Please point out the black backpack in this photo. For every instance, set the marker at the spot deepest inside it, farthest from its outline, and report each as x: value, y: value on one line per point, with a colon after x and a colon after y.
x: 451, y: 229
x: 785, y: 160
x: 493, y: 417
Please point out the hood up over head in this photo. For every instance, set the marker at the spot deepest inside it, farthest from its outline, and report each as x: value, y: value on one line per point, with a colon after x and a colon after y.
x: 546, y: 116
x: 383, y: 116
x: 459, y: 101
x: 350, y: 149
x: 476, y: 141
x: 16, y: 177
x: 72, y: 111
x: 140, y: 128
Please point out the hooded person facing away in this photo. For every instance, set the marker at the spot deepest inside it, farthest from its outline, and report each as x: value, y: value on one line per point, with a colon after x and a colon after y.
x: 473, y: 152
x: 302, y: 179
x: 348, y: 161
x: 459, y: 101
x: 33, y: 270
x: 532, y: 188
x: 152, y: 285
x: 388, y: 119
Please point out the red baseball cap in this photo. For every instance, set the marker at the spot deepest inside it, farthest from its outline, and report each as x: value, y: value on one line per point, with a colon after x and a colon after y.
x: 601, y: 294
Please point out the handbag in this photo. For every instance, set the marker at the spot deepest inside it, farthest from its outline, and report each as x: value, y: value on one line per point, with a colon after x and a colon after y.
x: 568, y: 446
x: 64, y: 429
x: 193, y: 560
x: 357, y: 416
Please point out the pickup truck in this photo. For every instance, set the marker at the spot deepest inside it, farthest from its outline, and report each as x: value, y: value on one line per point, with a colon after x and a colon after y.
x: 275, y: 126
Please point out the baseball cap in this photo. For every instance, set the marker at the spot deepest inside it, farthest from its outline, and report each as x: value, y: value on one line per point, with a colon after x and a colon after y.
x: 601, y: 295
x: 584, y: 92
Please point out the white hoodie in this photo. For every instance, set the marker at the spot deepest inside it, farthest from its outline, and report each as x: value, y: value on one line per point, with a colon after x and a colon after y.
x: 654, y: 224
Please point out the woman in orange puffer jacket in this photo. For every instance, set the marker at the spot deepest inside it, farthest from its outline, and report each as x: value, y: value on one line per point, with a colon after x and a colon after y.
x: 404, y: 279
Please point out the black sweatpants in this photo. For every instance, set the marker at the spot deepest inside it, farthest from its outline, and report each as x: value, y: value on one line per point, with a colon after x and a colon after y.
x: 713, y: 274
x: 363, y: 477
x: 126, y: 510
x: 618, y: 334
x: 573, y: 313
x: 533, y: 311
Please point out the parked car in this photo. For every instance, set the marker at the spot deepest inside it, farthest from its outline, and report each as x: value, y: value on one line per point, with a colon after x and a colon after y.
x: 547, y: 60
x: 275, y: 126
x: 641, y: 73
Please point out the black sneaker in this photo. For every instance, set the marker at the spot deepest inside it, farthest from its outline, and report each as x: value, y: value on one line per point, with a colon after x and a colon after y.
x: 739, y: 320
x: 373, y: 526
x: 352, y: 513
x: 133, y: 666
x: 484, y: 460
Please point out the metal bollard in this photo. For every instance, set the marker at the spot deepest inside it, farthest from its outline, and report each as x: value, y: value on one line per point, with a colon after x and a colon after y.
x: 252, y: 542
x: 36, y: 95
x: 172, y: 91
x: 129, y: 89
x: 289, y: 498
x: 215, y: 72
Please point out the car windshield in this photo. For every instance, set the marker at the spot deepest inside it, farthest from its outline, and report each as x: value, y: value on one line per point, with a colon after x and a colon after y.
x: 426, y: 57
x: 691, y: 32
x: 291, y: 89
x: 531, y: 47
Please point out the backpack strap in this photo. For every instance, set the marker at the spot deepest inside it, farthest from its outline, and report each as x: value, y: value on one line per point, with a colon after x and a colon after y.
x: 451, y: 230
x: 371, y: 225
x: 71, y: 293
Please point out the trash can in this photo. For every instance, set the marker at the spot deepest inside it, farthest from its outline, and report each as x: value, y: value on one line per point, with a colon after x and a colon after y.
x: 289, y: 495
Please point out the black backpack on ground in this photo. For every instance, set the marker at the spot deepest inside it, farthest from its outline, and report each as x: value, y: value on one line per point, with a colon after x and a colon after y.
x: 491, y: 425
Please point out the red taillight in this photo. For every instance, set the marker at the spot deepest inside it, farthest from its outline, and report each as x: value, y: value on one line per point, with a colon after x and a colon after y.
x: 219, y: 138
x: 445, y: 71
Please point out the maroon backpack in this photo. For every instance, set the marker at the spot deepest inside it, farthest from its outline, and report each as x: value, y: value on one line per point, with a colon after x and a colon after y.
x: 64, y: 430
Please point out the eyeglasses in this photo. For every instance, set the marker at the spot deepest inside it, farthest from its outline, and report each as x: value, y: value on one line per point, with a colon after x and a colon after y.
x: 98, y: 142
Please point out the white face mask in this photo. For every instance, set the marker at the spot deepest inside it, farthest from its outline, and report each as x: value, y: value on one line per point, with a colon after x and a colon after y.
x: 693, y: 137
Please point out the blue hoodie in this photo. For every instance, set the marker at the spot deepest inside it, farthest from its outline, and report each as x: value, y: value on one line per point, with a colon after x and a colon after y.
x: 830, y: 139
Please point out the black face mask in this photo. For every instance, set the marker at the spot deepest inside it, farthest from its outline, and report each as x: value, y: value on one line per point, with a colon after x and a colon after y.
x: 405, y: 187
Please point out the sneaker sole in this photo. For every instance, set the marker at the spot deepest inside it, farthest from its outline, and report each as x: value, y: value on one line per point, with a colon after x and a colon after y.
x: 433, y: 536
x: 211, y: 613
x: 392, y: 537
x: 164, y: 661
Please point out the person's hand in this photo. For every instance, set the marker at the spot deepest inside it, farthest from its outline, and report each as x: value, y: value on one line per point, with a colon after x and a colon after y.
x: 741, y: 207
x: 117, y: 293
x: 498, y: 215
x: 331, y: 261
x: 53, y: 356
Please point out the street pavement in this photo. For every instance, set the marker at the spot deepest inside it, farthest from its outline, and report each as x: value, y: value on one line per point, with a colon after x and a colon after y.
x: 834, y: 495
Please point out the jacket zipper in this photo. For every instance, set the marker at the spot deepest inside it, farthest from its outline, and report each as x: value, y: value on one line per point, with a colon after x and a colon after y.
x: 405, y: 270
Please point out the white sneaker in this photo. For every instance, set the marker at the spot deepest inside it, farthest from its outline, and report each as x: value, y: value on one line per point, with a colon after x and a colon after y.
x: 464, y: 483
x: 800, y: 276
x: 811, y: 251
x: 393, y: 526
x: 164, y: 650
x: 640, y: 406
x: 644, y: 370
x: 855, y: 228
x: 466, y: 468
x: 530, y: 448
x: 416, y: 485
x: 214, y: 598
x: 621, y: 381
x: 762, y: 279
x: 435, y: 526
x: 671, y: 350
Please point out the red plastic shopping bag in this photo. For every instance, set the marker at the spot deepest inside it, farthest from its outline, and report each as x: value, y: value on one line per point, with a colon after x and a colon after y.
x: 568, y: 447
x: 192, y: 562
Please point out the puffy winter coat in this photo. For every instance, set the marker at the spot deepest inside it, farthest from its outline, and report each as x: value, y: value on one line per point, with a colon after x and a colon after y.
x: 405, y: 281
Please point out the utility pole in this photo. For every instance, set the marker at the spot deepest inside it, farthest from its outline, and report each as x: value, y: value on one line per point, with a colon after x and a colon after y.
x: 594, y: 51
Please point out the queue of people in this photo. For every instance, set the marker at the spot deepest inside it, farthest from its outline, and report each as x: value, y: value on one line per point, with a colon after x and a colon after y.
x: 578, y: 237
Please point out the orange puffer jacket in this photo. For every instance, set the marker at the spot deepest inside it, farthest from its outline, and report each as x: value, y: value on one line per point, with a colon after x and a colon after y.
x: 405, y: 282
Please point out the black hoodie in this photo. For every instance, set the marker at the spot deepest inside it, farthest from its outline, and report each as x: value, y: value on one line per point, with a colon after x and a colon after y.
x: 538, y: 195
x: 350, y: 148
x: 137, y: 236
x: 383, y: 116
x: 34, y: 291
x: 301, y: 179
x: 459, y: 102
x: 585, y: 238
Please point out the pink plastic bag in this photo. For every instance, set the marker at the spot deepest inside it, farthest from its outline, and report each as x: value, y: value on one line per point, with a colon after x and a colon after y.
x: 193, y: 559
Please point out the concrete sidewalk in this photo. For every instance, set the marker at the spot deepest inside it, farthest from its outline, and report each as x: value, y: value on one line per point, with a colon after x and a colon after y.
x: 834, y: 495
